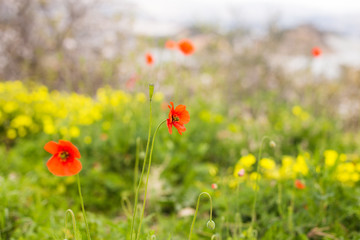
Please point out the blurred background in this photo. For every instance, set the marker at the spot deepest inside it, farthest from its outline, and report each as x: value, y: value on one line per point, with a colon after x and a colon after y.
x: 77, y: 70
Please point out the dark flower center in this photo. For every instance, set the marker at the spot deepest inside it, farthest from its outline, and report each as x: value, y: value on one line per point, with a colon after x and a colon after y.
x: 175, y: 118
x: 64, y: 156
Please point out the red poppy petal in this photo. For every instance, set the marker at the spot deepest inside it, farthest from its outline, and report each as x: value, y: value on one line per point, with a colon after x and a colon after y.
x: 71, y: 148
x: 184, y: 116
x: 52, y: 147
x: 60, y: 168
x: 170, y: 44
x: 186, y: 47
x: 149, y: 59
x: 180, y: 108
x: 170, y: 115
x: 181, y: 128
x: 171, y: 111
x: 169, y: 124
x: 55, y: 166
x: 299, y: 184
x: 72, y: 167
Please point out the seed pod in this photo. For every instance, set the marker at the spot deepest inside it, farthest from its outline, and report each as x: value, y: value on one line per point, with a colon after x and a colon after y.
x: 211, y: 224
x: 151, y: 91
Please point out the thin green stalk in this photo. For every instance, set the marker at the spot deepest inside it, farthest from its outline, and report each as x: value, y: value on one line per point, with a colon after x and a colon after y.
x: 142, y: 173
x: 238, y: 215
x: 73, y: 221
x: 290, y: 214
x: 225, y: 222
x: 279, y: 201
x: 197, y: 209
x: 147, y: 179
x: 253, y: 214
x: 136, y: 168
x: 83, y: 208
x: 222, y: 228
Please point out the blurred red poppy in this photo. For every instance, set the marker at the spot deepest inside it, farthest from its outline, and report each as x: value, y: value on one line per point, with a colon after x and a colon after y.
x: 299, y: 184
x: 64, y: 161
x: 170, y: 44
x: 149, y: 59
x: 186, y: 47
x: 316, y: 51
x: 130, y: 84
x: 177, y: 118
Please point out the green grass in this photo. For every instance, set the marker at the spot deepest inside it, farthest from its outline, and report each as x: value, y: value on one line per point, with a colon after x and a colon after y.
x: 33, y: 201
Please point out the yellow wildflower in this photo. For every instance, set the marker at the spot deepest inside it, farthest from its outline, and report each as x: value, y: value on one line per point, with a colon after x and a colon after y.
x: 267, y: 163
x: 11, y: 133
x: 74, y: 131
x: 300, y: 166
x: 297, y: 110
x: 247, y: 161
x: 330, y: 157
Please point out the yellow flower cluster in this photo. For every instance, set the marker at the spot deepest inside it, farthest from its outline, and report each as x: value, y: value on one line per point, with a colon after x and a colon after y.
x: 24, y: 111
x: 290, y: 167
x: 341, y: 167
x: 210, y: 117
x: 300, y: 113
x: 346, y: 169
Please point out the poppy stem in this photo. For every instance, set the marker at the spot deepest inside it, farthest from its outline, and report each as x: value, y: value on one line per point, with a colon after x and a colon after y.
x: 214, y: 237
x: 238, y: 228
x: 142, y: 171
x: 290, y: 214
x: 73, y: 222
x: 253, y: 214
x: 136, y: 169
x: 197, y: 209
x: 147, y: 179
x: 82, y: 207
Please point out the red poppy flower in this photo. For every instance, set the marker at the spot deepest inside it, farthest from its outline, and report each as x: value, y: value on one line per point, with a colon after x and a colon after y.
x: 170, y: 44
x: 64, y: 160
x: 130, y: 84
x: 149, y: 59
x: 186, y: 47
x: 177, y: 118
x: 299, y: 184
x: 316, y: 51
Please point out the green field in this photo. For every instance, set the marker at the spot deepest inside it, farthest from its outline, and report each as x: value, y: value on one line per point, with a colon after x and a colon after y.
x: 302, y: 144
x: 268, y: 153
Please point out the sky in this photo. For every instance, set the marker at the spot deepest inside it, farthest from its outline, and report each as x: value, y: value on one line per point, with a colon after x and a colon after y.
x: 325, y: 6
x: 336, y: 15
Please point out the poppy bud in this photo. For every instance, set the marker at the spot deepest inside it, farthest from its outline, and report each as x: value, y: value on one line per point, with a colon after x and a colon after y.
x: 211, y: 225
x: 214, y: 186
x: 272, y: 144
x: 241, y: 172
x: 151, y: 91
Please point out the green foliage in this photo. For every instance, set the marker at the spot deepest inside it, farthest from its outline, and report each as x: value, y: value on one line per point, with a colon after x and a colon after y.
x: 33, y: 200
